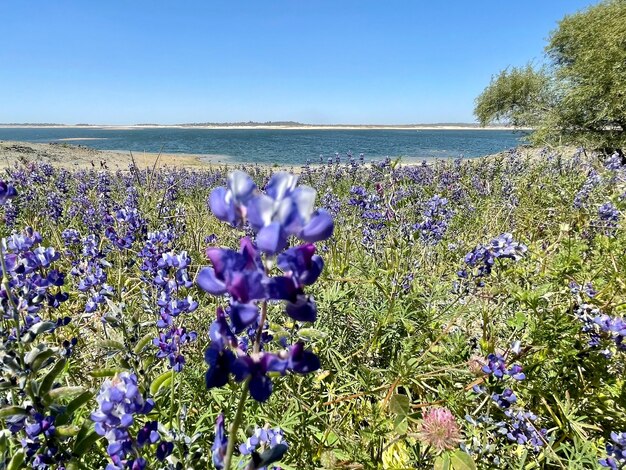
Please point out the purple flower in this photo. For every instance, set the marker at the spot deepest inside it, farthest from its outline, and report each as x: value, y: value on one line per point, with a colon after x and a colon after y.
x: 229, y: 204
x: 256, y: 367
x: 7, y: 192
x: 520, y: 428
x: 240, y: 274
x: 119, y: 400
x: 220, y: 443
x: 616, y: 450
x: 286, y: 210
x: 301, y: 264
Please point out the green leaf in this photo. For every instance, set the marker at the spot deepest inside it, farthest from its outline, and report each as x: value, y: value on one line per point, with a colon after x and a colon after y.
x: 442, y: 462
x: 67, y: 431
x: 143, y: 342
x: 77, y: 402
x: 159, y: 382
x: 110, y: 372
x: 311, y: 333
x: 51, y: 376
x: 72, y: 406
x: 85, y: 444
x: 42, y: 327
x: 65, y: 392
x: 399, y: 404
x: 17, y: 461
x: 111, y: 344
x: 462, y: 461
x: 12, y: 411
x: 400, y: 424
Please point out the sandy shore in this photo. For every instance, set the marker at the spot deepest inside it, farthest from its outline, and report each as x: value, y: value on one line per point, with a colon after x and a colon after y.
x: 74, y: 157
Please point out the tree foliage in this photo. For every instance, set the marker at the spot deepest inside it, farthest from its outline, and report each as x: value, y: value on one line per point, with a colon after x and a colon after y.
x: 581, y: 97
x: 516, y: 96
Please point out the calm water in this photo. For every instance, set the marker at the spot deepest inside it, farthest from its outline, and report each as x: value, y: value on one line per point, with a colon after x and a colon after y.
x: 283, y: 147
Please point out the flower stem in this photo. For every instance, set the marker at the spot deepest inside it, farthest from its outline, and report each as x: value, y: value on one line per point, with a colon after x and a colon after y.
x: 232, y: 433
x: 259, y: 331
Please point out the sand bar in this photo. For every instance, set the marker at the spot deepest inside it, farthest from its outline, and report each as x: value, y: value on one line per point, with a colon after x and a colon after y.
x: 75, y: 157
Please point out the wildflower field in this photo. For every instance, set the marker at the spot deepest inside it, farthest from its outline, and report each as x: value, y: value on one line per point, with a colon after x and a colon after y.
x: 452, y: 315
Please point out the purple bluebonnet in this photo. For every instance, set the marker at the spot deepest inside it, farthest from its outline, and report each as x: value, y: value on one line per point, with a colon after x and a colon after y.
x: 496, y: 366
x: 616, y: 451
x: 124, y: 227
x: 263, y: 438
x: 435, y: 220
x: 520, y: 428
x: 119, y: 402
x: 32, y: 281
x: 602, y: 330
x: 505, y: 399
x: 480, y: 261
x: 165, y: 273
x: 371, y: 214
x: 287, y: 209
x: 614, y: 162
x: 587, y: 289
x: 582, y: 196
x: 608, y: 217
x: 283, y: 211
x: 7, y: 192
x: 169, y: 344
x: 229, y: 204
x: 220, y: 443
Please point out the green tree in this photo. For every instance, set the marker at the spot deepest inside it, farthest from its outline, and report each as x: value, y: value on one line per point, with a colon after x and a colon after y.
x: 580, y: 97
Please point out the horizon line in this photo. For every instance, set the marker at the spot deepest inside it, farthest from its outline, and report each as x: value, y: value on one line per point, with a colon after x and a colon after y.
x: 278, y: 124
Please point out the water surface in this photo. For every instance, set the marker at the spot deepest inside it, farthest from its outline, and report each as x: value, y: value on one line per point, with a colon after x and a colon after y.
x: 281, y: 146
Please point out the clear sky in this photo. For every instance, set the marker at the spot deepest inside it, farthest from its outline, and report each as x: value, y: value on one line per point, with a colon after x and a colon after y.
x: 313, y: 61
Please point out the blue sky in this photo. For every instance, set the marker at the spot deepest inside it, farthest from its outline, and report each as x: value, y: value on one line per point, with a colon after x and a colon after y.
x: 327, y: 61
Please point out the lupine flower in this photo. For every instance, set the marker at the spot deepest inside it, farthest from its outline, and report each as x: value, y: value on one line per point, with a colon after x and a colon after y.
x: 435, y: 220
x: 521, y: 429
x: 505, y: 399
x: 601, y: 328
x: 7, y: 192
x: 439, y: 429
x: 229, y: 204
x: 287, y: 209
x: 264, y: 438
x: 480, y: 261
x: 614, y: 162
x: 608, y: 217
x: 616, y: 450
x: 587, y: 289
x: 220, y: 443
x: 119, y: 401
x: 496, y: 366
x: 592, y: 181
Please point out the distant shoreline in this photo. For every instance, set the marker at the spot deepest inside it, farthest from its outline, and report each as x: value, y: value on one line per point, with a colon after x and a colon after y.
x: 416, y: 127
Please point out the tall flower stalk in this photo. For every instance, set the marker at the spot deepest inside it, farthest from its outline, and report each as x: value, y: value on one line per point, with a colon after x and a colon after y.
x: 240, y: 339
